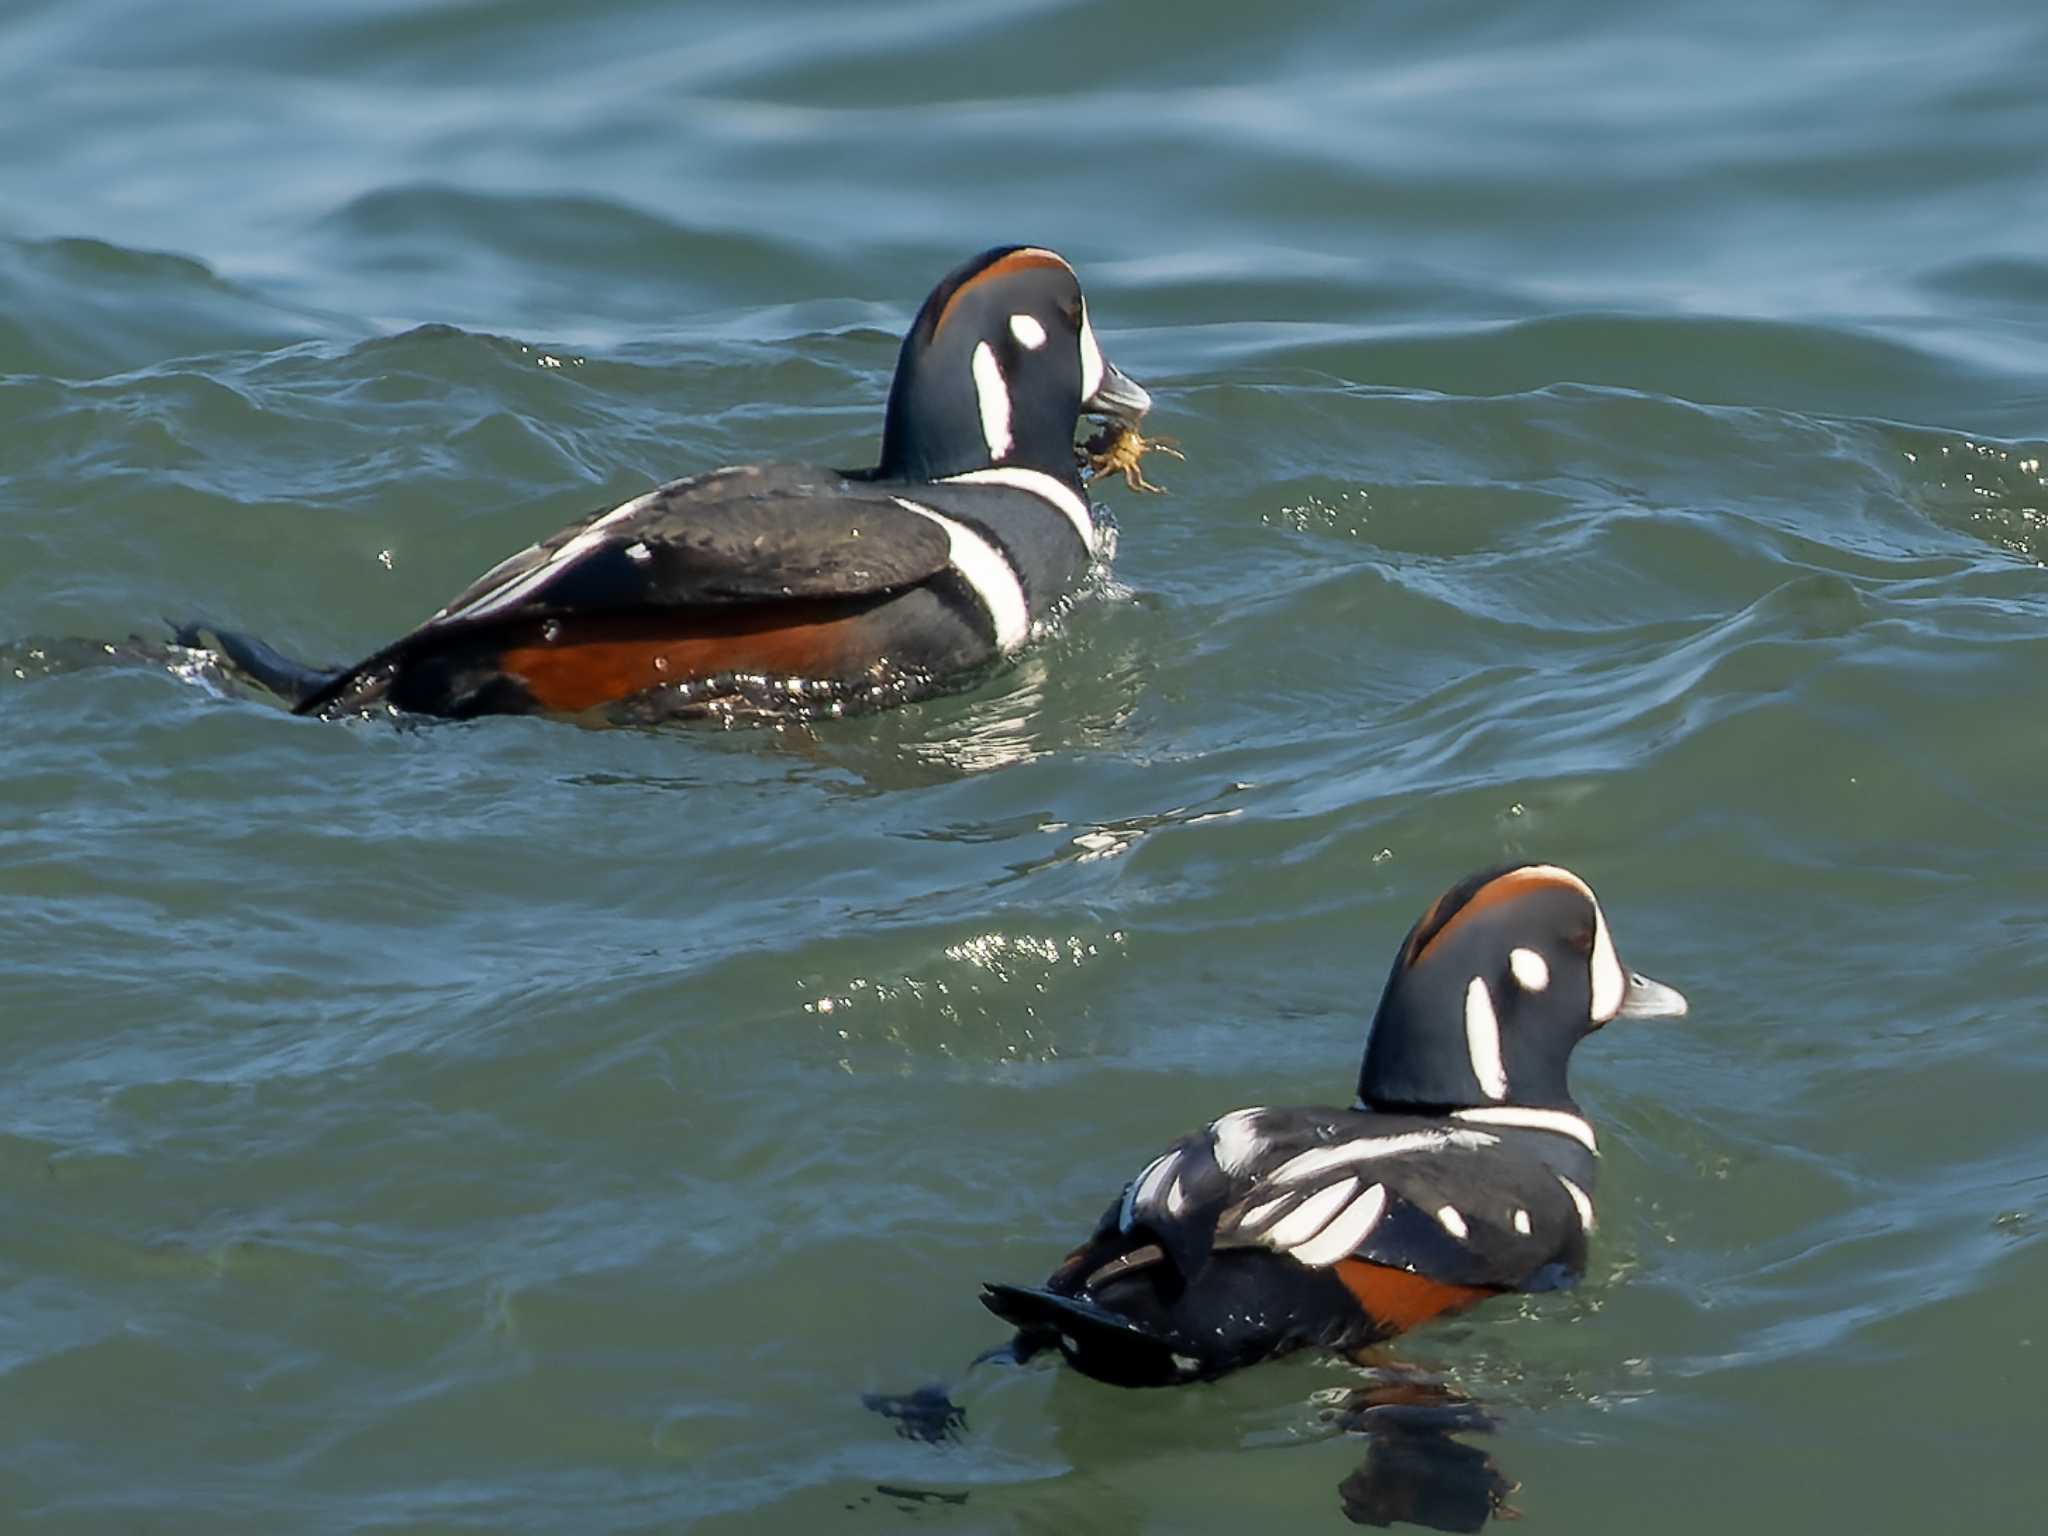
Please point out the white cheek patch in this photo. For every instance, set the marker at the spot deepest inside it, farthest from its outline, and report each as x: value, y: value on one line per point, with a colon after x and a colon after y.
x: 1029, y: 333
x: 1531, y: 973
x: 1452, y: 1220
x: 993, y: 396
x: 1482, y: 1040
x: 1092, y: 368
x: 1522, y: 1222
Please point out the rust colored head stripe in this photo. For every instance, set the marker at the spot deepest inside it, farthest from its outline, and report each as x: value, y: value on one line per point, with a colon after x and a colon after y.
x: 1500, y: 888
x: 1002, y: 266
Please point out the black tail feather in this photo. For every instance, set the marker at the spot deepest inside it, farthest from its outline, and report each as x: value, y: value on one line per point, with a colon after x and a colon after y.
x: 1095, y: 1340
x: 293, y: 681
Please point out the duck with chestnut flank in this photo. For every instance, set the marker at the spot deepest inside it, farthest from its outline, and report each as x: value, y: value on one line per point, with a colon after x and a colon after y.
x: 770, y: 585
x: 1465, y: 1170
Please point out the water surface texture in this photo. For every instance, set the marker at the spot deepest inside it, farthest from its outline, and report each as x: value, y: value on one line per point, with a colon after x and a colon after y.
x: 1615, y: 435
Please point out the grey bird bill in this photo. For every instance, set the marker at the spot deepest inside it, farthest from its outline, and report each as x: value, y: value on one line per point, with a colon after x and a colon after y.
x: 1647, y: 999
x: 1119, y: 397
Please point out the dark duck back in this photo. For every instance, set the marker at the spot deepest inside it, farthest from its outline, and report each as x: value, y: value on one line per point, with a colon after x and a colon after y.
x: 794, y: 586
x: 1464, y: 1171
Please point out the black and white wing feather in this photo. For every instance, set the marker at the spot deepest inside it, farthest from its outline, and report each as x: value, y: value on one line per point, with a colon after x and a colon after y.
x: 747, y: 534
x: 1459, y: 1204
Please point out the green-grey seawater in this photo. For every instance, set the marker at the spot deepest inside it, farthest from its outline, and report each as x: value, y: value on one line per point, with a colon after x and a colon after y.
x: 1615, y: 435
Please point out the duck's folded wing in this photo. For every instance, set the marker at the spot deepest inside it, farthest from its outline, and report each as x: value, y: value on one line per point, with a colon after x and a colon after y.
x: 744, y: 535
x: 1449, y: 1203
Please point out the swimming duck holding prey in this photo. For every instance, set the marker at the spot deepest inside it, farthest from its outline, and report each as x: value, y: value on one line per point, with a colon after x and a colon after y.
x: 767, y: 587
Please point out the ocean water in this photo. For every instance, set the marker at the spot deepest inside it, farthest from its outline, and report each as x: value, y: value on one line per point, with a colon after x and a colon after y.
x: 1615, y: 435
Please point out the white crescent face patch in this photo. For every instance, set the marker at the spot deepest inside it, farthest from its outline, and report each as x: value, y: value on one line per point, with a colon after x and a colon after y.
x: 992, y: 395
x: 1610, y: 982
x: 1092, y: 367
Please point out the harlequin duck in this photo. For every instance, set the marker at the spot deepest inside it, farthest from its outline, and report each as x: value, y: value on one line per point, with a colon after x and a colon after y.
x: 1464, y: 1171
x: 767, y: 584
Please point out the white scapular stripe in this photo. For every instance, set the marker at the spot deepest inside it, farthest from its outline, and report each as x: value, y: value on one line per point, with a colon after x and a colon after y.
x: 1041, y: 485
x: 1482, y: 1040
x: 1155, y: 1177
x: 1340, y: 1239
x: 513, y: 591
x: 1579, y: 1199
x: 1029, y: 333
x: 1256, y: 1216
x: 1531, y: 971
x: 1308, y: 1218
x: 985, y: 569
x: 1368, y: 1148
x: 993, y: 396
x: 1092, y: 368
x: 1561, y: 1121
x: 1452, y: 1220
x: 1236, y: 1139
x: 1176, y: 1198
x: 1144, y: 1187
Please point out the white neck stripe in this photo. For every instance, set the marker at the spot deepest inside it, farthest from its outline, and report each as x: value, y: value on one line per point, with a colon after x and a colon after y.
x: 1482, y: 1040
x: 1563, y: 1122
x: 992, y: 395
x: 988, y: 575
x: 1038, y: 483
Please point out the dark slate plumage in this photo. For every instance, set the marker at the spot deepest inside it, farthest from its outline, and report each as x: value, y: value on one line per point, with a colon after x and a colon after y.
x: 778, y: 583
x: 1275, y: 1229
